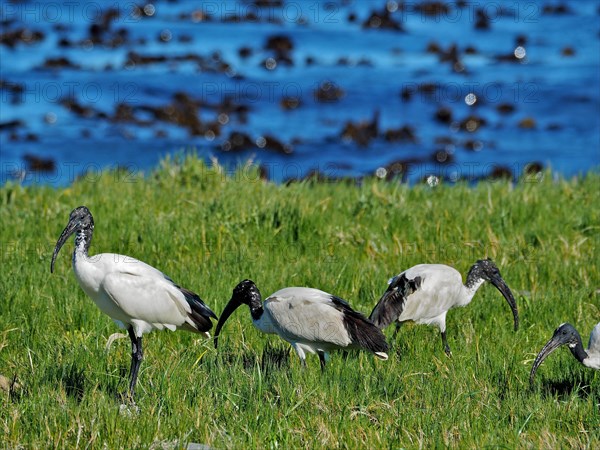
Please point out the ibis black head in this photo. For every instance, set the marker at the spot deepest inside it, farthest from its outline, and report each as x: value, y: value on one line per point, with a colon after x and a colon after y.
x: 80, y: 220
x: 245, y: 293
x: 486, y: 269
x: 565, y: 334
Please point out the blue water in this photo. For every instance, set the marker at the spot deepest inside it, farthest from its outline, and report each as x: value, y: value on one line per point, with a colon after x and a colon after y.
x: 561, y: 93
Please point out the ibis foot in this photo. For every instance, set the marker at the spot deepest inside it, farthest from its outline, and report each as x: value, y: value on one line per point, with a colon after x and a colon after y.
x: 128, y: 409
x: 125, y: 398
x: 446, y: 346
x: 112, y: 338
x: 322, y: 360
x: 303, y: 363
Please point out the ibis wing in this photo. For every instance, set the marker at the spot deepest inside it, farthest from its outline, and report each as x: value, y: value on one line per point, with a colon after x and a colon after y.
x: 392, y: 303
x: 145, y: 293
x: 313, y: 316
x: 307, y: 315
x: 594, y: 345
x: 388, y: 309
x: 150, y: 299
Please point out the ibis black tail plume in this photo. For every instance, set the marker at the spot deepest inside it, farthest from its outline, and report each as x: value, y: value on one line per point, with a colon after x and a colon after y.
x: 362, y: 331
x: 200, y: 314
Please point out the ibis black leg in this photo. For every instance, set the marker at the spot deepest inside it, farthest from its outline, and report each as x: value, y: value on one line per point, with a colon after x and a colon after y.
x: 398, y: 325
x: 137, y: 355
x: 322, y: 359
x: 445, y: 343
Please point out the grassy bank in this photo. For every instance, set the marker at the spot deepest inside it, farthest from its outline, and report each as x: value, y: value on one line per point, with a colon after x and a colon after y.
x: 209, y: 231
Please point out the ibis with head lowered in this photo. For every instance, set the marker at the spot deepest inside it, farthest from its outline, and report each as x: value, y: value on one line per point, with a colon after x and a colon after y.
x: 566, y: 334
x: 311, y: 320
x: 426, y: 292
x: 136, y: 296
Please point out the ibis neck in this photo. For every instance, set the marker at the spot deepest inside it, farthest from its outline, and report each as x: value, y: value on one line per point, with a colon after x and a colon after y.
x: 83, y: 239
x: 578, y: 351
x: 256, y: 308
x: 474, y: 279
x: 473, y: 283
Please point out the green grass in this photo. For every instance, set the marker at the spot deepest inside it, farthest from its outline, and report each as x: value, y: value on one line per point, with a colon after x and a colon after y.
x: 209, y: 231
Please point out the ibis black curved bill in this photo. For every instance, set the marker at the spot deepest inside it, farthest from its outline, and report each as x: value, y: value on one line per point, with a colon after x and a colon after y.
x: 229, y: 309
x: 565, y: 334
x: 501, y: 285
x: 550, y: 346
x: 66, y: 233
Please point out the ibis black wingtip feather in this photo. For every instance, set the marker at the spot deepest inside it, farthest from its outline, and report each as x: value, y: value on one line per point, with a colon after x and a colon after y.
x: 362, y: 331
x: 392, y: 302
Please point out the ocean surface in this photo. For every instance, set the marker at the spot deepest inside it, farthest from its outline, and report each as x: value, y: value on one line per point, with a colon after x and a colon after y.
x: 406, y: 90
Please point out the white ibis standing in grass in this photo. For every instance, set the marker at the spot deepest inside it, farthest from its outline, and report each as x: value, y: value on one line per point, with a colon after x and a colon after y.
x: 566, y: 334
x: 311, y: 320
x: 136, y: 296
x: 424, y: 294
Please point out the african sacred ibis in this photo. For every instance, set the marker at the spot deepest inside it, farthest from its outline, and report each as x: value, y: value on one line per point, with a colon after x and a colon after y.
x: 136, y: 296
x: 566, y: 334
x: 424, y: 294
x: 309, y: 319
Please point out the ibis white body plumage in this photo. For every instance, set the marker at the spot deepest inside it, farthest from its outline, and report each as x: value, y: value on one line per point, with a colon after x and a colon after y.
x: 593, y: 351
x: 136, y: 296
x: 133, y: 293
x: 312, y: 321
x: 306, y: 318
x: 426, y: 292
x: 441, y: 289
x: 566, y: 334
